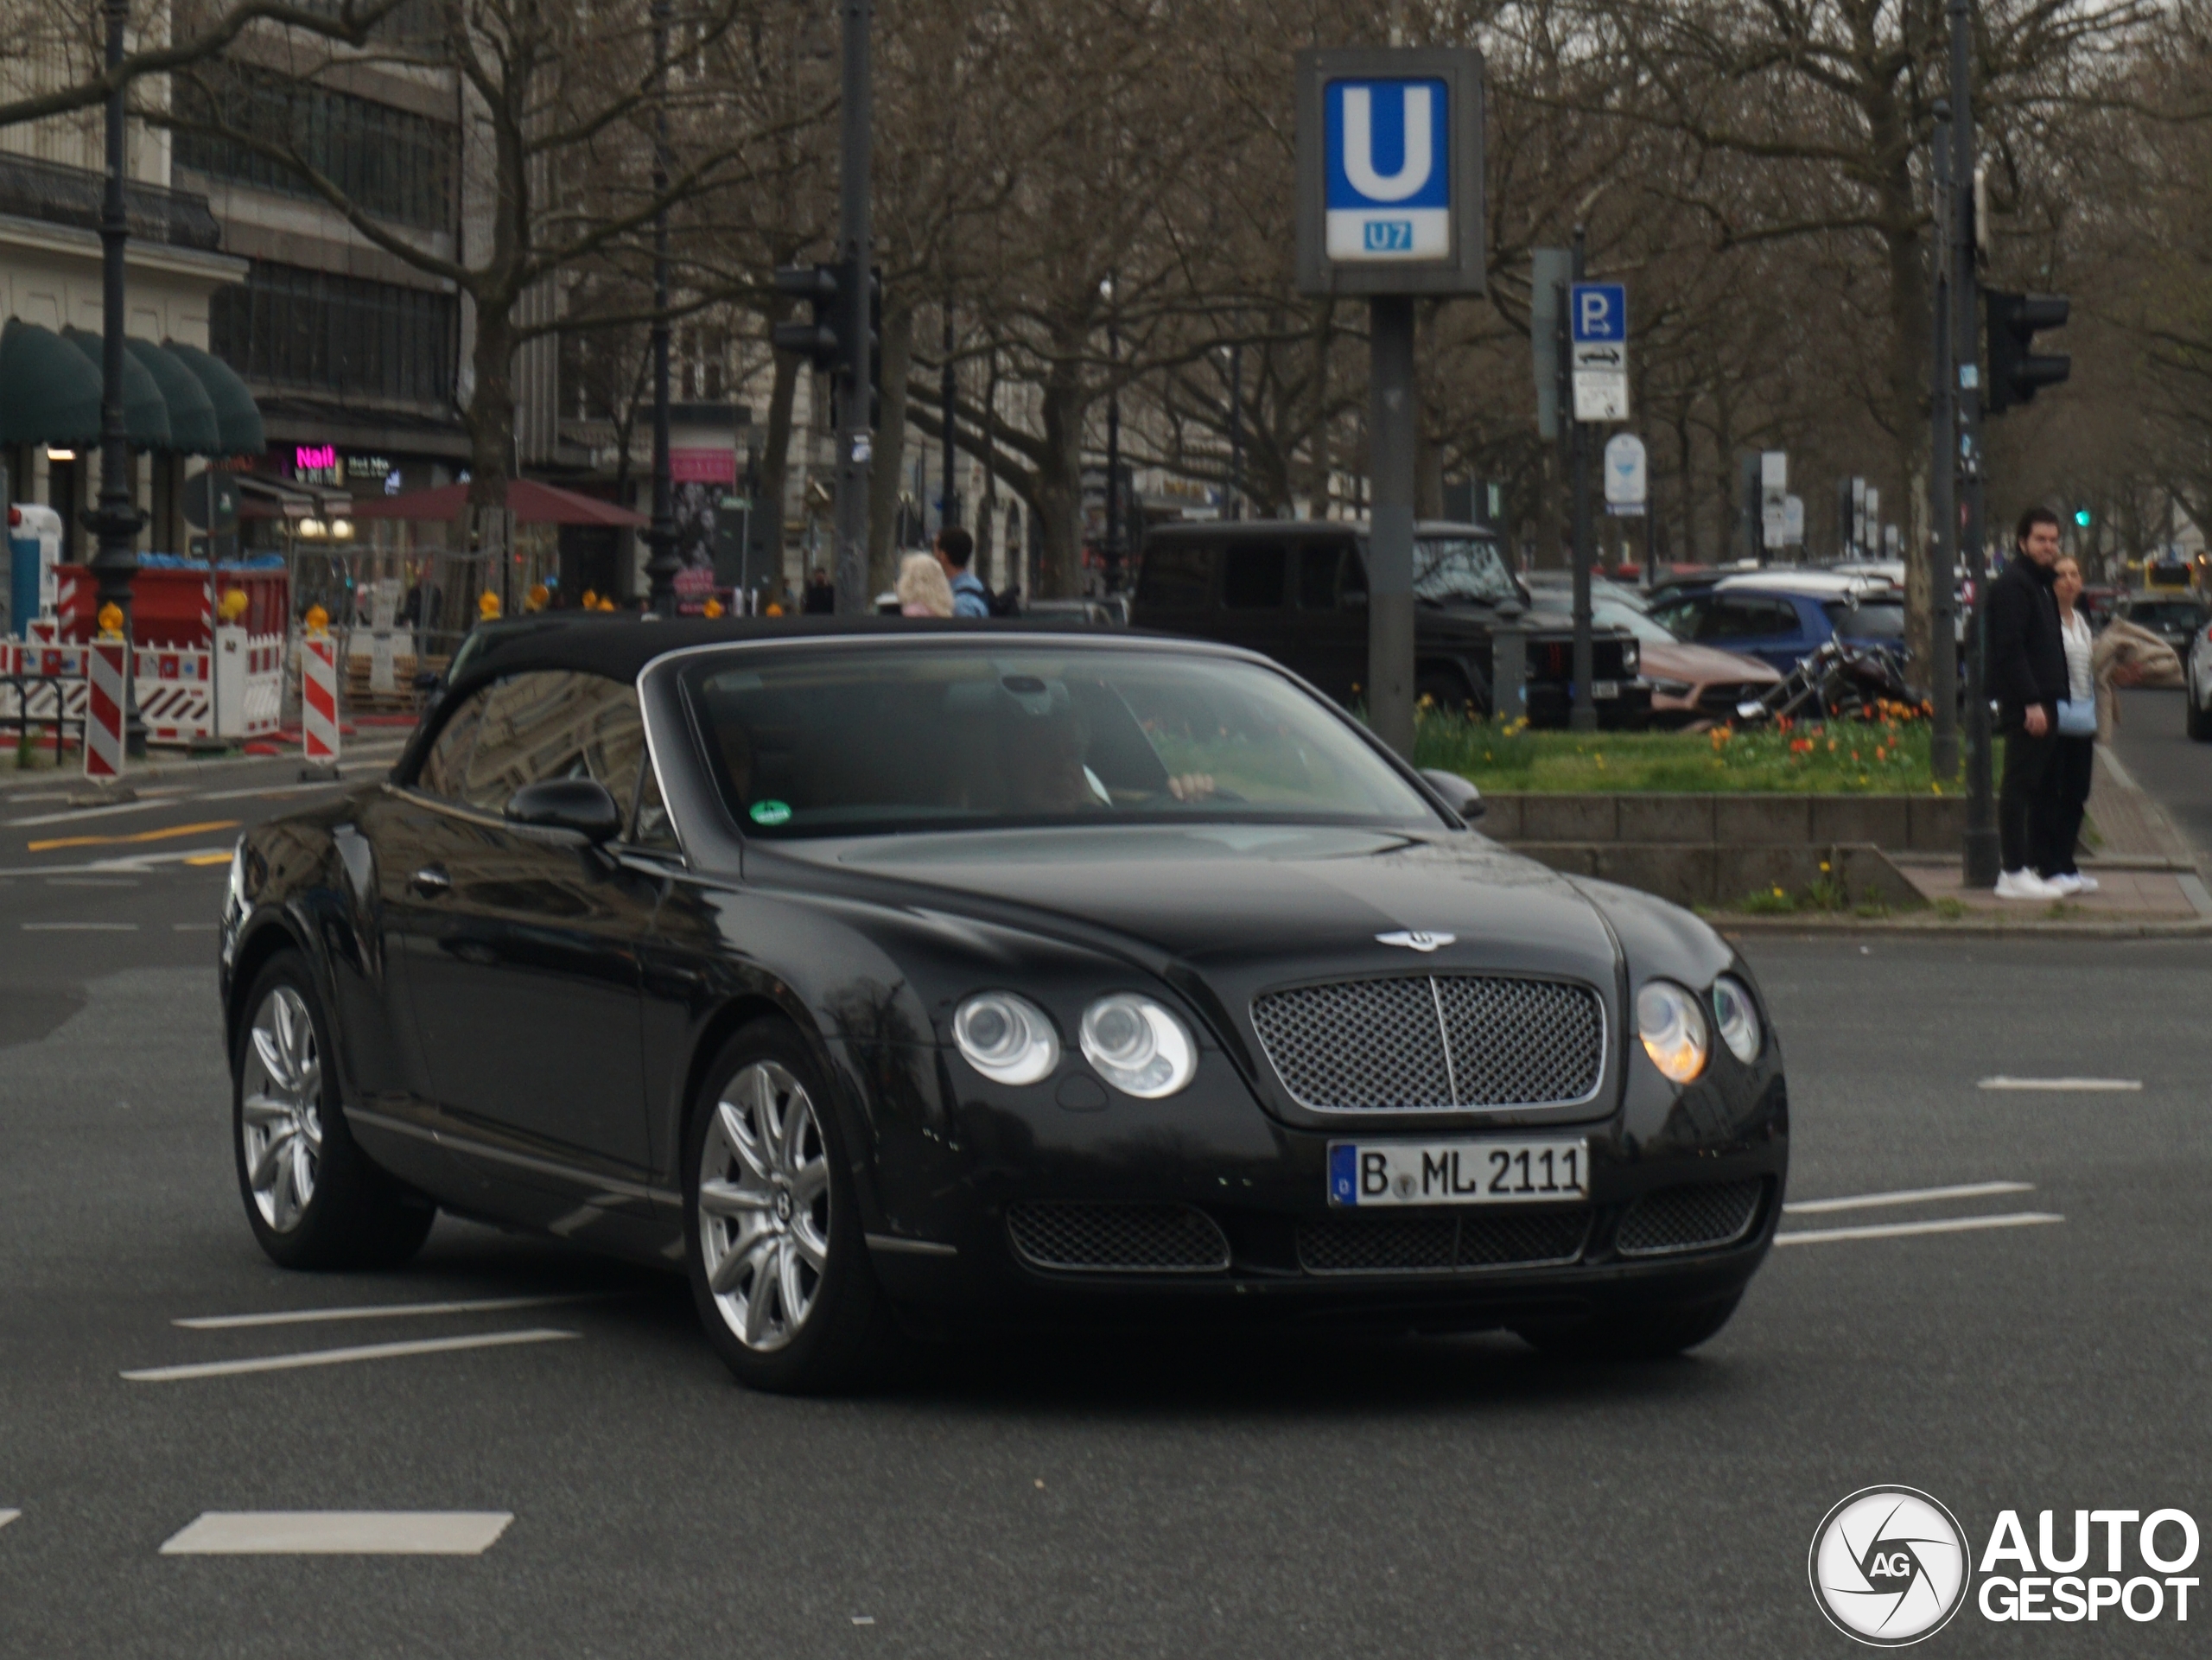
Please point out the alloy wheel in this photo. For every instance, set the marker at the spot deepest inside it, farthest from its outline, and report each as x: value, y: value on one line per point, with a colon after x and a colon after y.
x: 280, y: 1117
x: 764, y: 1206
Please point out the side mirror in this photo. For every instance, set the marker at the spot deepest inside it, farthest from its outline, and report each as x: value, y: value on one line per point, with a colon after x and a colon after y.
x: 1458, y: 795
x: 579, y: 805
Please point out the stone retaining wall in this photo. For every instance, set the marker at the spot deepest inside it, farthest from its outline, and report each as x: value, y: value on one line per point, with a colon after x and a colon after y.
x: 1897, y: 824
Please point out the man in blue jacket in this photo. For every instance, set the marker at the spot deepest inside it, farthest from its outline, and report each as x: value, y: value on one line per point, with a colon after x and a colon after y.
x: 955, y: 549
x: 2027, y: 677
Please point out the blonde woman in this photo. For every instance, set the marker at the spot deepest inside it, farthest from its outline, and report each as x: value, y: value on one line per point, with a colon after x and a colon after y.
x: 923, y: 589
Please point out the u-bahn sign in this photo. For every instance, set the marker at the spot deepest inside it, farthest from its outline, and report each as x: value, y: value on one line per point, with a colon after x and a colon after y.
x: 1390, y: 171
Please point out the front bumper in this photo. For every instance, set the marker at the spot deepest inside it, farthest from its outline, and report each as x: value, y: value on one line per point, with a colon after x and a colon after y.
x: 957, y: 1245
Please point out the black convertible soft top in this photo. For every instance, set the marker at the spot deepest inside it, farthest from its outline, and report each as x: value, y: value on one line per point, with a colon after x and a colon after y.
x: 619, y: 644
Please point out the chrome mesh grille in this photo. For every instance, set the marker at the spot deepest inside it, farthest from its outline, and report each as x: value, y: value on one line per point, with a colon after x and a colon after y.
x: 1406, y: 1244
x: 1689, y: 1219
x: 1431, y: 1042
x: 1128, y: 1239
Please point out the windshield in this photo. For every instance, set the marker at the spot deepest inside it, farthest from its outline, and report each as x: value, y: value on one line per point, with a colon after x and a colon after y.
x: 1462, y: 568
x: 1612, y: 614
x: 1868, y: 620
x: 844, y: 742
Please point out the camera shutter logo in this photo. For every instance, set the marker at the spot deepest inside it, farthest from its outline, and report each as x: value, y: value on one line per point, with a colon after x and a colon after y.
x: 1889, y: 1566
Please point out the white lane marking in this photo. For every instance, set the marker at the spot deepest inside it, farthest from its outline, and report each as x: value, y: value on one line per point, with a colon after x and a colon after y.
x: 137, y: 864
x: 76, y: 814
x: 272, y: 790
x: 1897, y: 1229
x: 338, y: 1533
x: 80, y: 927
x: 193, y: 927
x: 380, y: 1311
x: 7, y: 1516
x: 1904, y: 1196
x: 91, y: 881
x: 2001, y: 1082
x: 341, y: 1357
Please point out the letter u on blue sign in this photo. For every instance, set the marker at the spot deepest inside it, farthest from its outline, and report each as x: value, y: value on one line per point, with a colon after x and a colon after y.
x: 1388, y: 153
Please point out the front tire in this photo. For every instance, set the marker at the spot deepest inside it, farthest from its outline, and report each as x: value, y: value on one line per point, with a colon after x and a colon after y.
x: 778, y: 1265
x: 1652, y: 1334
x: 312, y: 1198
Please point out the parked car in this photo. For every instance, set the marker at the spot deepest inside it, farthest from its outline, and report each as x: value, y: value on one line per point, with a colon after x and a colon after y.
x: 942, y: 973
x: 1297, y: 591
x: 2196, y: 680
x: 1779, y: 625
x: 2177, y: 619
x: 1688, y: 682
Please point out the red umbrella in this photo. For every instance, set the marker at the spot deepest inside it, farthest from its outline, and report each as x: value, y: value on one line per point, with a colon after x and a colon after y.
x: 531, y: 503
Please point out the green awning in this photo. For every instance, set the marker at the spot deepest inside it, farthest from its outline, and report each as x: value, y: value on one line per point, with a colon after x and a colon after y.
x: 235, y: 413
x: 194, y: 429
x: 146, y: 415
x: 48, y: 394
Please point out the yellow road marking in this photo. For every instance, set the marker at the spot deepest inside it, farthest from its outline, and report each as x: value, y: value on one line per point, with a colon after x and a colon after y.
x: 143, y: 835
x: 207, y: 859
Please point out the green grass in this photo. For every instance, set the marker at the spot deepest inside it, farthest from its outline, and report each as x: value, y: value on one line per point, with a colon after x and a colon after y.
x: 1847, y: 758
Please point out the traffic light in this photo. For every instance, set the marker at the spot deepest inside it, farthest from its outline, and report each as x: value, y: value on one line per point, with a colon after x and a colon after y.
x: 815, y: 340
x: 2015, y: 373
x: 2082, y: 518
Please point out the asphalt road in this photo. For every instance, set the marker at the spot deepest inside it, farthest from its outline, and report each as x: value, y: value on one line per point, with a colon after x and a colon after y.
x: 1285, y: 1498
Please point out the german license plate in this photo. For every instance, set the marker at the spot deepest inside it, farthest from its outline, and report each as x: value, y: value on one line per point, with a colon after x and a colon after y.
x: 1458, y: 1173
x: 1604, y: 688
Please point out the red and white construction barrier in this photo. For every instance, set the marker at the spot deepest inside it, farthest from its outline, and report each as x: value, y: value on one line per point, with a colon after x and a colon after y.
x: 235, y: 692
x: 318, y: 700
x: 104, y: 710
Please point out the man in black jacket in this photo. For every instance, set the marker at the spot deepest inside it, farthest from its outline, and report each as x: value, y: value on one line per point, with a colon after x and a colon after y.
x: 2027, y: 675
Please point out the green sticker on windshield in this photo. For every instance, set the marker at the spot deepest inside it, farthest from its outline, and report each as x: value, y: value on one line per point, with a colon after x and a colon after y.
x: 771, y: 812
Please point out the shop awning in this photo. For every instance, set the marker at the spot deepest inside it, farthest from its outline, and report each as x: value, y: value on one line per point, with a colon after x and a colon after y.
x: 194, y: 429
x: 531, y: 502
x: 145, y: 412
x: 236, y: 415
x: 48, y: 394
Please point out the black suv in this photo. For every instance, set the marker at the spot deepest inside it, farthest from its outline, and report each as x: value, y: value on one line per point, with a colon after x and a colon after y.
x: 1296, y: 590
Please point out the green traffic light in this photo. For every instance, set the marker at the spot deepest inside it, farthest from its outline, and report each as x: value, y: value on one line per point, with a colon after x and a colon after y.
x: 2081, y: 516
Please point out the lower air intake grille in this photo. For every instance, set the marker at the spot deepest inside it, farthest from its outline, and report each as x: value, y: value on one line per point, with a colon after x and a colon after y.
x: 1689, y: 1219
x: 1118, y: 1238
x: 1406, y: 1244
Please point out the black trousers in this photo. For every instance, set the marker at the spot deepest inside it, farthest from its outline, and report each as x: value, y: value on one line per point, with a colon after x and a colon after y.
x: 2023, y: 807
x: 2066, y: 793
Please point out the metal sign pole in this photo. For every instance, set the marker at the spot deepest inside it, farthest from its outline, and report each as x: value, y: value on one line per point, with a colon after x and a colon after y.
x: 1980, y: 853
x: 856, y: 439
x: 1390, y: 542
x: 1943, y: 493
x: 1584, y: 717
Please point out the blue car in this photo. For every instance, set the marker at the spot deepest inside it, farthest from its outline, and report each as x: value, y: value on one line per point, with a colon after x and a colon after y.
x: 1778, y: 626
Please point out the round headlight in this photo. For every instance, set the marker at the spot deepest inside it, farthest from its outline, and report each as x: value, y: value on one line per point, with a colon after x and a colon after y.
x: 1737, y: 1017
x: 1007, y: 1039
x: 1674, y: 1031
x: 1138, y: 1046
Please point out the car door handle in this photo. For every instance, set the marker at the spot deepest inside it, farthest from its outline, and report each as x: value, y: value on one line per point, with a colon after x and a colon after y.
x: 431, y: 882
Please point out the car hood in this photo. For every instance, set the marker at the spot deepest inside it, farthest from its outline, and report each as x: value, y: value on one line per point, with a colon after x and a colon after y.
x: 1699, y: 664
x: 1234, y: 901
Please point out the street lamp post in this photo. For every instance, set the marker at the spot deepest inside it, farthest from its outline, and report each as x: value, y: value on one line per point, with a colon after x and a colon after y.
x: 948, y: 392
x: 1113, y: 550
x: 662, y: 564
x: 117, y: 521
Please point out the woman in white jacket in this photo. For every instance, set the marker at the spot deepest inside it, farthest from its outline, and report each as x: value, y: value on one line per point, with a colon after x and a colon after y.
x: 2067, y: 784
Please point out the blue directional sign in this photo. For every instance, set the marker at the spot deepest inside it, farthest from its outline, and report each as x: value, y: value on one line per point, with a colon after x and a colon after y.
x: 1388, y: 152
x: 1598, y: 311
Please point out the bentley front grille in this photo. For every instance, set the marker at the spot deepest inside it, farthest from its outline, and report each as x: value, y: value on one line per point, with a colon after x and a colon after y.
x: 1118, y: 1238
x: 1426, y: 1043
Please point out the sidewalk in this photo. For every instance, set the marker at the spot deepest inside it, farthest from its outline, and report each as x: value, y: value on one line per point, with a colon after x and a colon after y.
x: 2146, y: 871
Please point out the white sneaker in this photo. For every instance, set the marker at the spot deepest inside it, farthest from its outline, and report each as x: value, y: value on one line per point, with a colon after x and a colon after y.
x: 2066, y: 882
x: 2084, y: 884
x: 2025, y: 884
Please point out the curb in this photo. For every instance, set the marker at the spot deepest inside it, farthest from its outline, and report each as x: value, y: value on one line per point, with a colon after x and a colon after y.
x: 1963, y: 928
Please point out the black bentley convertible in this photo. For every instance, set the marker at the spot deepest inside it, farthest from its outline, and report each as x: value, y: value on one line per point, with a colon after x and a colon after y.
x: 904, y: 974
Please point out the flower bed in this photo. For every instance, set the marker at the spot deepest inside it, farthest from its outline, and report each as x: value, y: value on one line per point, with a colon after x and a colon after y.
x: 1886, y: 756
